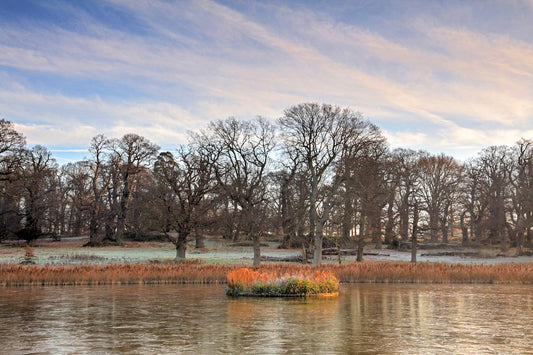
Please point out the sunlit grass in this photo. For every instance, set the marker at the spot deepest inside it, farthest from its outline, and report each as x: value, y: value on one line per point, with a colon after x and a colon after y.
x: 314, y: 282
x: 382, y: 272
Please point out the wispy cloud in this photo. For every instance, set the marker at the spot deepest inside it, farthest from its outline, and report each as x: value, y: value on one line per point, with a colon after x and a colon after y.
x: 62, y: 120
x: 193, y: 61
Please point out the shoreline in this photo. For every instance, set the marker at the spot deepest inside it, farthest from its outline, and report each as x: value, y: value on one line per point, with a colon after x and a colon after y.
x: 364, y: 272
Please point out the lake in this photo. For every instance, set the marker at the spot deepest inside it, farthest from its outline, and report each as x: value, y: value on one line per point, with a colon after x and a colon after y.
x: 200, y: 319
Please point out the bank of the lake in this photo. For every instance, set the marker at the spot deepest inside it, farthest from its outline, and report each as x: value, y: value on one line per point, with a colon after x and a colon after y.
x: 364, y: 272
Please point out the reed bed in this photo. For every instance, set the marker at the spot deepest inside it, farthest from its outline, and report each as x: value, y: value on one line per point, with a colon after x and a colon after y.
x: 20, y: 275
x: 379, y: 272
x: 314, y: 282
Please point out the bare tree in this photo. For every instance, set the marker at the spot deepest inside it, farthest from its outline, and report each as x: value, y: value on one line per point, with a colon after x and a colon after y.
x: 493, y: 165
x: 520, y: 191
x: 473, y: 200
x: 407, y: 168
x: 440, y: 176
x: 364, y: 182
x: 99, y: 183
x: 76, y: 177
x: 12, y: 154
x: 40, y: 171
x: 293, y: 195
x: 186, y: 179
x: 12, y: 149
x: 243, y: 149
x: 131, y: 154
x: 318, y: 134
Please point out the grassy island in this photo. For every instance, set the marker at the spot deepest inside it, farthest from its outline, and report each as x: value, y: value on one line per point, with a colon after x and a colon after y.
x: 246, y: 282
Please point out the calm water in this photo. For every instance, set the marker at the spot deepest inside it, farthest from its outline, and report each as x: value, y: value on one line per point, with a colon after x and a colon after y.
x: 162, y: 319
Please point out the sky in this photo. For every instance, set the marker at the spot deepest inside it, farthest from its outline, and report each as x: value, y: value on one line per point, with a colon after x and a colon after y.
x: 445, y: 76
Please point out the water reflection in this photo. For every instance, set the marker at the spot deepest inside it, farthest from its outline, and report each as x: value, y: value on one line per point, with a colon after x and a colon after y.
x: 164, y: 319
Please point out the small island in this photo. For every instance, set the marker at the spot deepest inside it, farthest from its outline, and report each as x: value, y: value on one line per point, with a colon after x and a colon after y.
x: 247, y: 282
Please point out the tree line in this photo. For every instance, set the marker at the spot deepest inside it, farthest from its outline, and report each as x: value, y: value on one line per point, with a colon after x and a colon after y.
x: 320, y: 175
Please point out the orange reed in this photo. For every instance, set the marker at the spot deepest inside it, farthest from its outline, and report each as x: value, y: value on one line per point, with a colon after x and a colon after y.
x: 368, y: 271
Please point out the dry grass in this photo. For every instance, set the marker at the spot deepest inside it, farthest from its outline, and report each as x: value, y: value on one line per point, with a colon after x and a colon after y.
x: 18, y: 275
x: 247, y: 282
x: 394, y: 272
x: 389, y: 272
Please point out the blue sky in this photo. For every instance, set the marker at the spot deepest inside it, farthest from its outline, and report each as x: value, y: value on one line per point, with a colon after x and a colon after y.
x: 444, y: 76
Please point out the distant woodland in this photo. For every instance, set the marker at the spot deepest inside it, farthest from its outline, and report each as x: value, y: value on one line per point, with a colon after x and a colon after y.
x: 319, y: 176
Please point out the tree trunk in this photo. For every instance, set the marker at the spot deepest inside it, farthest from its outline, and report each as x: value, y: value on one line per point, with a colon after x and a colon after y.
x: 504, y: 246
x: 434, y: 226
x: 414, y: 235
x: 121, y: 218
x: 287, y: 215
x: 519, y: 241
x: 199, y: 238
x: 93, y: 228
x: 109, y: 233
x: 404, y: 222
x: 257, y: 249
x: 444, y: 230
x: 76, y: 231
x: 477, y: 230
x: 306, y: 246
x: 464, y: 229
x: 119, y: 235
x: 375, y: 227
x: 390, y: 222
x: 305, y: 256
x: 445, y: 225
x: 313, y: 236
x: 361, y: 239
x: 317, y: 255
x: 181, y: 246
x: 347, y: 218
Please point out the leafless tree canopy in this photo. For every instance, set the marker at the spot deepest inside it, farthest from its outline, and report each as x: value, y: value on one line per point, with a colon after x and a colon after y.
x: 322, y: 175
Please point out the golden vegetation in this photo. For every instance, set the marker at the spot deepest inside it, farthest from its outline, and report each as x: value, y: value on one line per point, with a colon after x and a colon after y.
x: 390, y: 272
x: 18, y: 275
x: 314, y: 282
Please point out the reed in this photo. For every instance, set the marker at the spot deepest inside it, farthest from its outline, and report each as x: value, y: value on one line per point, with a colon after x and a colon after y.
x: 386, y: 272
x: 314, y: 282
x: 19, y: 275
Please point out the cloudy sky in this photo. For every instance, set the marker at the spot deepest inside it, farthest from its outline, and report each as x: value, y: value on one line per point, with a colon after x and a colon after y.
x: 445, y: 76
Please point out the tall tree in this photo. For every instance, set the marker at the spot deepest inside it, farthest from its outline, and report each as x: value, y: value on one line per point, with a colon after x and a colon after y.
x: 408, y: 170
x: 132, y: 154
x: 364, y: 190
x: 243, y: 149
x: 493, y: 165
x: 293, y: 206
x: 40, y: 171
x: 76, y: 177
x: 319, y: 134
x: 12, y: 153
x: 99, y: 183
x: 473, y: 201
x: 440, y: 176
x: 186, y: 178
x: 12, y: 147
x: 520, y: 190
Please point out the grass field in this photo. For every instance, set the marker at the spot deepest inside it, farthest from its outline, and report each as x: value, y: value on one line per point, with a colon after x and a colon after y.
x: 69, y: 263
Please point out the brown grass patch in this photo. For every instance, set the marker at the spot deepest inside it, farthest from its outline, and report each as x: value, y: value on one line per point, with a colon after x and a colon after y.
x: 382, y: 272
x: 247, y: 282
